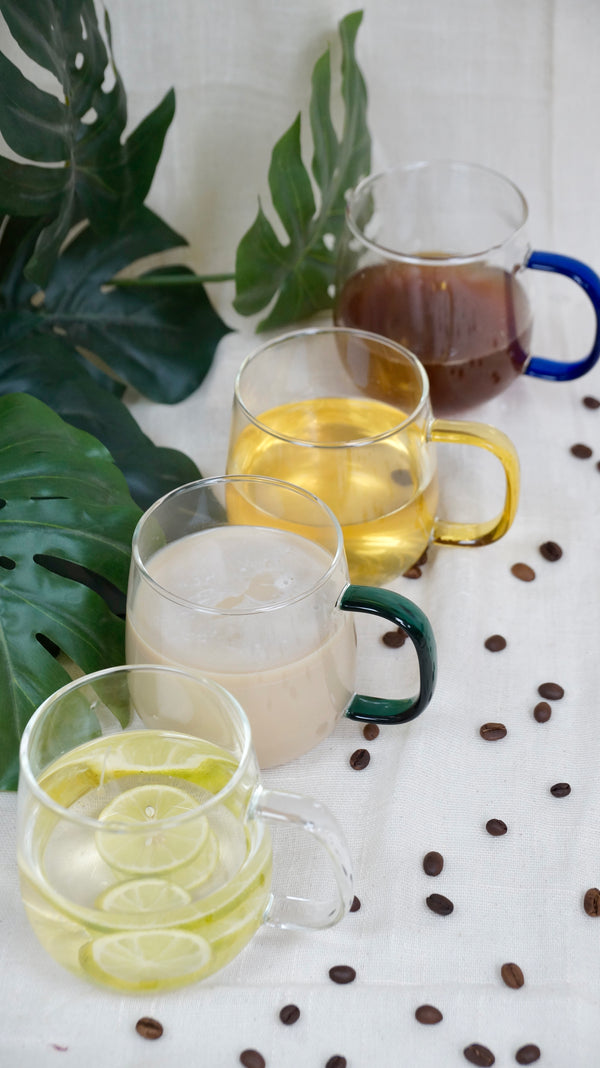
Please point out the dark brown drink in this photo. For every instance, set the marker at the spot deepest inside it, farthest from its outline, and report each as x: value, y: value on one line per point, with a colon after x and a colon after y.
x: 469, y: 324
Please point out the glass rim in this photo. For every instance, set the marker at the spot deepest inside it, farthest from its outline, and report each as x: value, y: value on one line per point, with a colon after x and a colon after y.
x: 421, y: 165
x: 81, y: 820
x: 365, y: 335
x: 273, y: 606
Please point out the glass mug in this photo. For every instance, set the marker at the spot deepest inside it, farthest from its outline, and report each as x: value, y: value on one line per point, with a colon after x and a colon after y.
x: 244, y: 580
x: 314, y: 407
x: 145, y: 853
x: 434, y: 256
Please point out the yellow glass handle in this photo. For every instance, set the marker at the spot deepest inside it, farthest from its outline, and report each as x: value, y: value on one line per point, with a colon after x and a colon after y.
x: 485, y: 437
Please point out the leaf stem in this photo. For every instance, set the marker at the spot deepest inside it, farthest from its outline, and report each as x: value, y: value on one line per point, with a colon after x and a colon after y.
x: 170, y: 280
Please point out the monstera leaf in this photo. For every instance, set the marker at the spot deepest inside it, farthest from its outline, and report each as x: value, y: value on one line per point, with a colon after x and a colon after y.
x: 66, y: 523
x: 300, y: 273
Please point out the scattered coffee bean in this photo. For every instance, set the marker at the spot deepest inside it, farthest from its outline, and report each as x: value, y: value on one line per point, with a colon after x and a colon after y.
x: 360, y: 759
x: 433, y: 863
x: 251, y: 1058
x: 582, y: 452
x: 428, y: 1014
x: 591, y: 901
x: 492, y: 732
x: 413, y: 572
x: 422, y: 560
x: 591, y: 402
x: 394, y: 638
x: 542, y: 712
x: 512, y: 975
x: 439, y: 904
x: 551, y: 691
x: 370, y: 731
x: 551, y: 551
x: 480, y: 1055
x: 496, y: 828
x: 289, y: 1014
x: 560, y: 789
x: 354, y: 907
x: 523, y: 572
x: 342, y: 973
x: 528, y: 1054
x: 337, y: 1061
x: 495, y: 643
x: 149, y: 1028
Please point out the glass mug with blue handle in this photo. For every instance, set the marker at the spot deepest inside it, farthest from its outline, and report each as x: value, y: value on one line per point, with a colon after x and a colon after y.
x: 435, y: 256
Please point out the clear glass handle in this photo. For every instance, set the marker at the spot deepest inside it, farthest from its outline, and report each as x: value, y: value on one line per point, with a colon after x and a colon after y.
x: 276, y: 806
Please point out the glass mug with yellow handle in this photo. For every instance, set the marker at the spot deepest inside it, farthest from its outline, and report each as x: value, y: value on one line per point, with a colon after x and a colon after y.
x: 313, y: 407
x: 244, y: 580
x: 144, y: 851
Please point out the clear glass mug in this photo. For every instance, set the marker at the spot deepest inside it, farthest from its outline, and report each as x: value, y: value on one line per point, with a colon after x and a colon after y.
x: 145, y: 853
x: 435, y: 256
x: 313, y: 407
x: 244, y: 579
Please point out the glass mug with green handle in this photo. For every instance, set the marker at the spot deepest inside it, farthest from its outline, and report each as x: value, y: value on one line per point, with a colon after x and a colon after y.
x: 144, y: 852
x: 312, y: 407
x: 244, y: 579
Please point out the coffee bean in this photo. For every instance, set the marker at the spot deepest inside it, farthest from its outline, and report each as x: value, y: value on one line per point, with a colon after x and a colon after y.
x: 289, y: 1014
x: 591, y: 901
x: 428, y: 1014
x: 560, y: 789
x: 551, y: 551
x: 492, y: 732
x: 370, y: 731
x: 433, y: 863
x: 542, y: 712
x: 582, y: 452
x: 342, y: 973
x: 512, y: 975
x: 439, y: 904
x: 149, y: 1028
x: 551, y: 691
x: 360, y: 759
x: 354, y: 907
x: 394, y: 638
x: 496, y: 828
x: 337, y: 1061
x: 528, y: 1054
x: 591, y: 402
x: 495, y: 643
x: 422, y: 559
x: 251, y: 1058
x: 479, y: 1055
x: 413, y: 572
x: 523, y: 572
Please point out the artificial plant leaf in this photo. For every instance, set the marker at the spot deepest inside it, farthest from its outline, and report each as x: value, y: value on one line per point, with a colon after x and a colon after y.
x: 66, y: 511
x: 47, y: 368
x: 95, y: 175
x: 299, y: 274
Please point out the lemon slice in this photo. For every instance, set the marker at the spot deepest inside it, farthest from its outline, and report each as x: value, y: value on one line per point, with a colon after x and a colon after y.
x: 142, y: 960
x: 152, y: 751
x: 143, y: 895
x: 161, y: 849
x: 191, y: 876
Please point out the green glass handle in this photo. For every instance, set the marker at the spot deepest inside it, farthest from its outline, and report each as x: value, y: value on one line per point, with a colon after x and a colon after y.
x: 405, y: 614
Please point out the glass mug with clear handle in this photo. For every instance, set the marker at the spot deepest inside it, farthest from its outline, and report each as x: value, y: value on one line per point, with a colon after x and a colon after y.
x: 436, y: 256
x: 144, y: 852
x: 314, y: 407
x: 244, y: 579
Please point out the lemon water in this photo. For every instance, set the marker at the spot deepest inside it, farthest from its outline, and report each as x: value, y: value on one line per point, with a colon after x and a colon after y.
x: 126, y: 901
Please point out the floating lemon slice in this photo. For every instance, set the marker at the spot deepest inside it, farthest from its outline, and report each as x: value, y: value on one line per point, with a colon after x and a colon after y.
x: 144, y: 960
x: 160, y: 849
x: 153, y: 751
x: 143, y: 895
x: 191, y: 876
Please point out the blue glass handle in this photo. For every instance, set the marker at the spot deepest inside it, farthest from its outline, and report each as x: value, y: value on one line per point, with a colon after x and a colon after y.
x: 557, y: 370
x: 405, y: 614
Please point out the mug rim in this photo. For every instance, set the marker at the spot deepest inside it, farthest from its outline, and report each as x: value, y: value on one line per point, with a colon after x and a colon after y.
x: 81, y: 820
x: 273, y: 606
x: 421, y: 165
x: 367, y: 335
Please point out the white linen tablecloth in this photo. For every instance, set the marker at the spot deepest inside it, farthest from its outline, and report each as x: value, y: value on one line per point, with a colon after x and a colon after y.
x: 506, y: 84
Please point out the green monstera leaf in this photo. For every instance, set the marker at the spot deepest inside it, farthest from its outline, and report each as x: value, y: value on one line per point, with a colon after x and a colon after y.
x: 66, y: 523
